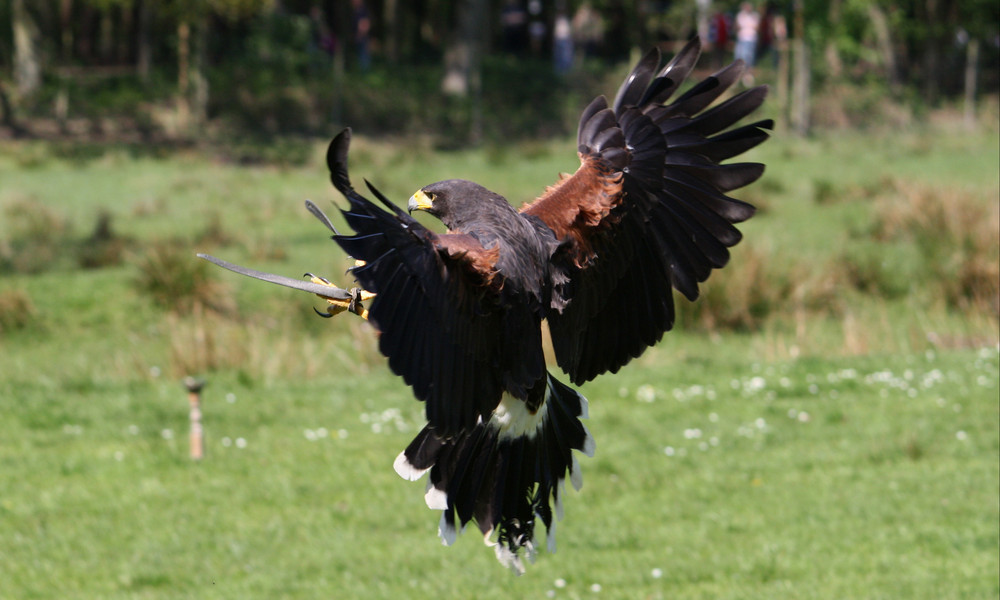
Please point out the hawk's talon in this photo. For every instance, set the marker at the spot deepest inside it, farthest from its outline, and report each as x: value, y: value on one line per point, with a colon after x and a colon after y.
x: 358, y: 296
x: 337, y: 306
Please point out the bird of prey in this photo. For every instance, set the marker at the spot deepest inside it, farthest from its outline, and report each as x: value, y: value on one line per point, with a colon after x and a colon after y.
x: 597, y: 256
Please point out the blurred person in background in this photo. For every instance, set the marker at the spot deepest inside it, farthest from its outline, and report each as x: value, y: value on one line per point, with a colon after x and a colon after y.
x: 514, y: 26
x: 536, y: 26
x: 773, y: 34
x: 361, y: 25
x: 747, y: 28
x: 322, y: 38
x: 588, y: 30
x: 562, y: 43
x: 718, y: 37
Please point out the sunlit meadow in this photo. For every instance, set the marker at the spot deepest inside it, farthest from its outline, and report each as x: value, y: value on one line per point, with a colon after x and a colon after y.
x: 827, y: 426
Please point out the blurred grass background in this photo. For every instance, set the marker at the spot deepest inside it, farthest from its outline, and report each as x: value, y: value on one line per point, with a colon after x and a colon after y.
x: 863, y: 244
x: 822, y: 424
x: 726, y: 477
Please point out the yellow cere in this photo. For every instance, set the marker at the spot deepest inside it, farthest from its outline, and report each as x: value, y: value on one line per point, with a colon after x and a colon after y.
x: 422, y: 200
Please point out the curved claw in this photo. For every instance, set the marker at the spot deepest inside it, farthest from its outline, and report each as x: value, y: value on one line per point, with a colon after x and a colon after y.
x: 315, y: 277
x: 325, y: 315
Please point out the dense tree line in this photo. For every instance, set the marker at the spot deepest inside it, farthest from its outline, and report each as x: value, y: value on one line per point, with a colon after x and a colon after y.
x: 926, y: 46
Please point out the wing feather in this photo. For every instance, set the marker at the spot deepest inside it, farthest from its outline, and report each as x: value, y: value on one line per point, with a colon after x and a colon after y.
x: 632, y: 91
x: 440, y: 328
x: 648, y: 210
x: 673, y: 74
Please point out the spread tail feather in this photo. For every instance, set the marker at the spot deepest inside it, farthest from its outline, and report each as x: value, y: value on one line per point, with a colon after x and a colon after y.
x: 506, y: 472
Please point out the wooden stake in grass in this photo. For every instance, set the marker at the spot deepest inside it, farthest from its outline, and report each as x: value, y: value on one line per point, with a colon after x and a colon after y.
x: 194, y: 387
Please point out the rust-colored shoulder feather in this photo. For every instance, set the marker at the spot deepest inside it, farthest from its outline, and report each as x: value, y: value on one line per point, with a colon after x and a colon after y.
x: 467, y: 250
x: 577, y: 205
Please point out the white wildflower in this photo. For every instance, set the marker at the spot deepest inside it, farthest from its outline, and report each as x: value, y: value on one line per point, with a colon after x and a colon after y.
x: 645, y: 393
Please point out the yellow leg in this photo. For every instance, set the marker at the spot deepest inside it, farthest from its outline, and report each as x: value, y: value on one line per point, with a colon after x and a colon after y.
x: 354, y: 304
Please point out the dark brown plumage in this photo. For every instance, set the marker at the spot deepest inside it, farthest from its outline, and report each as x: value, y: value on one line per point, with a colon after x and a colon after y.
x: 597, y: 255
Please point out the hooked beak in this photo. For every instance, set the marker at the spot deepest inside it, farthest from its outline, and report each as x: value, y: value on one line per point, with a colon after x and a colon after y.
x: 419, y: 201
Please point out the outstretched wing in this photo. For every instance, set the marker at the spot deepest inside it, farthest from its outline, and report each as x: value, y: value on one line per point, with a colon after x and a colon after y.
x: 435, y: 306
x: 648, y: 209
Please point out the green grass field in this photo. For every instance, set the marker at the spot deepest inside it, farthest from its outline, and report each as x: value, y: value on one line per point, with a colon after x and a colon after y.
x: 828, y: 428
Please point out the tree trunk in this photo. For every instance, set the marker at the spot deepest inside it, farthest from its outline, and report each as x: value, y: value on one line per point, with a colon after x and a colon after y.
x: 123, y: 48
x: 971, y: 75
x: 144, y: 51
x: 192, y: 85
x: 7, y: 118
x: 342, y: 32
x: 199, y: 80
x: 84, y: 38
x: 833, y: 62
x: 183, y: 52
x: 462, y: 62
x: 390, y: 18
x: 801, y: 75
x: 932, y: 51
x: 66, y: 30
x: 27, y: 54
x: 800, y: 88
x: 461, y: 54
x: 781, y: 91
x: 883, y: 37
x: 106, y: 42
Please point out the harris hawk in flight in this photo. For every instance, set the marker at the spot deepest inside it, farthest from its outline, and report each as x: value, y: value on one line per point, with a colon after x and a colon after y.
x: 597, y: 256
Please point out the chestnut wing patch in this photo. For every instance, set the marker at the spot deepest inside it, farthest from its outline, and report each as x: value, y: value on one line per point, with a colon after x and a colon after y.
x: 464, y: 250
x: 648, y: 211
x: 577, y: 206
